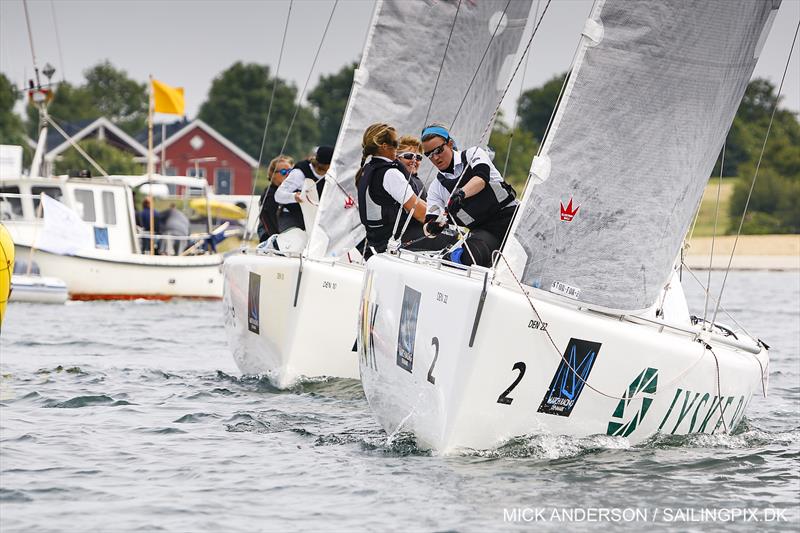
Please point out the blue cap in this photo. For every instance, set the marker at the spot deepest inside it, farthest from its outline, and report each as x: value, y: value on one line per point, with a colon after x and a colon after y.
x: 436, y: 130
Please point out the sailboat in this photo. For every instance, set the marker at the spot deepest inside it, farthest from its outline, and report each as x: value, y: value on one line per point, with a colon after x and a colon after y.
x: 294, y: 315
x: 582, y: 327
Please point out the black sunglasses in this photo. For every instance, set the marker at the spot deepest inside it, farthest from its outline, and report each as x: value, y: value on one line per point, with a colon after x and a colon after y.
x: 283, y: 171
x: 410, y: 156
x: 436, y: 151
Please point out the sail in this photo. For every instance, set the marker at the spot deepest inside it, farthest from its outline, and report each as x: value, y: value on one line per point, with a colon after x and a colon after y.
x: 652, y: 94
x: 406, y: 45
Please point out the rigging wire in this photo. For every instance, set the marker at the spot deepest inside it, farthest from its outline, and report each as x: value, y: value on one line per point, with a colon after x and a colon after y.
x: 308, y: 79
x: 515, y: 120
x: 713, y: 236
x: 755, y: 175
x: 441, y: 66
x: 58, y: 41
x: 30, y: 40
x: 266, y: 125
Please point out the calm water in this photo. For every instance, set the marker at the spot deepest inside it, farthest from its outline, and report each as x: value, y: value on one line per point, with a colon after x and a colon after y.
x: 133, y: 417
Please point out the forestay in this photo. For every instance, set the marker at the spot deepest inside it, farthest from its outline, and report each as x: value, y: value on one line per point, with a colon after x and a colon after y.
x: 652, y: 94
x: 405, y: 48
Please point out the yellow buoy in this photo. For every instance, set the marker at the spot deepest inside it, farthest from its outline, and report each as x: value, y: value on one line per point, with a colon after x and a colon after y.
x: 6, y: 269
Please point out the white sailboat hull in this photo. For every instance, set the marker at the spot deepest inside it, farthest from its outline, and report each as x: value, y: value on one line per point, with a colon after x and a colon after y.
x: 288, y: 329
x: 421, y: 374
x: 131, y: 276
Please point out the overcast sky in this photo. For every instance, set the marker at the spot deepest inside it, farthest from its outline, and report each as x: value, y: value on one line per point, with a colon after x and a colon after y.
x: 189, y: 42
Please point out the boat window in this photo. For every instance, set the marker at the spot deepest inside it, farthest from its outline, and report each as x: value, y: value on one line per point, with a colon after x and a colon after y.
x: 109, y: 211
x: 84, y: 203
x: 10, y: 203
x: 222, y: 180
x: 53, y: 192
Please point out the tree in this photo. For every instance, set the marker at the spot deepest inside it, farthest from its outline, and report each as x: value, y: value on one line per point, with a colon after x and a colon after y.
x: 523, y: 148
x: 330, y: 99
x: 117, y: 97
x: 536, y: 105
x: 112, y: 160
x: 107, y: 92
x: 237, y: 107
x: 11, y: 128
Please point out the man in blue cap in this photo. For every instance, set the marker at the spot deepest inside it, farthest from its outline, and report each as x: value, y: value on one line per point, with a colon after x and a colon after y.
x: 471, y: 191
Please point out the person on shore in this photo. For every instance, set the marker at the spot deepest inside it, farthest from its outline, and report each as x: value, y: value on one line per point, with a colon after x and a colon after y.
x: 471, y: 192
x: 383, y: 188
x: 277, y: 171
x: 143, y: 221
x: 289, y: 193
x: 175, y: 224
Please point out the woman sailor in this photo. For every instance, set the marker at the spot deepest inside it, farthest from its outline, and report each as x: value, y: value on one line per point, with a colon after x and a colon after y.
x: 383, y: 187
x: 289, y: 194
x: 472, y: 192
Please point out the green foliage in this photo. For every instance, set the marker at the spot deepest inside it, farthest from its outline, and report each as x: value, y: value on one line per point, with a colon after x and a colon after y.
x: 523, y: 147
x: 330, y: 99
x: 11, y: 128
x: 237, y: 107
x: 115, y: 96
x: 112, y: 160
x: 107, y: 92
x: 536, y: 105
x: 775, y: 204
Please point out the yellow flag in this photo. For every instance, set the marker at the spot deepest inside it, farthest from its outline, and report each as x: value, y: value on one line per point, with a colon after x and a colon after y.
x: 167, y: 99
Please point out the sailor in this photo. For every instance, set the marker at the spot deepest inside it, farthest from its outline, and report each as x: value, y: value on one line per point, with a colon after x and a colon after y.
x: 383, y: 187
x: 277, y: 171
x: 409, y: 153
x: 471, y: 192
x: 289, y: 194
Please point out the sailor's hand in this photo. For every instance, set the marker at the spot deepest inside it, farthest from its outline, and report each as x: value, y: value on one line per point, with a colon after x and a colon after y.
x: 456, y: 201
x: 299, y: 197
x: 433, y: 227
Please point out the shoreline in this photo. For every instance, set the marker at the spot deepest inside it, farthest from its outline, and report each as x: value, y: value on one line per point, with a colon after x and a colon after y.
x: 753, y: 252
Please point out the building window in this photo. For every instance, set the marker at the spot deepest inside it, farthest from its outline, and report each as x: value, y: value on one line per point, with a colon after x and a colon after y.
x: 84, y: 202
x: 109, y: 212
x: 222, y: 180
x: 201, y: 172
x: 53, y: 192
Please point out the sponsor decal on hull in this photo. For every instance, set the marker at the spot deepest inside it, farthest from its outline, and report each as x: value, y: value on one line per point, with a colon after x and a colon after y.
x: 253, y: 300
x: 697, y: 412
x: 570, y: 376
x: 407, y: 332
x: 626, y: 417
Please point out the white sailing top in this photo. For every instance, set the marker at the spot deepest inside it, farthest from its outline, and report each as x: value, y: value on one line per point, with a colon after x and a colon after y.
x: 293, y: 182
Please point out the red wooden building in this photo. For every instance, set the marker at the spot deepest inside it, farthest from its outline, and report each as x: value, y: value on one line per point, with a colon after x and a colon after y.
x: 196, y: 146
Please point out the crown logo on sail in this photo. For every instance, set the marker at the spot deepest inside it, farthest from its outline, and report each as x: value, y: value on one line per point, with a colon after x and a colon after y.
x: 349, y: 202
x: 568, y: 213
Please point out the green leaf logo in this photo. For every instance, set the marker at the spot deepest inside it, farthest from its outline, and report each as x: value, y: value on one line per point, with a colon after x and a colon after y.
x: 625, y: 420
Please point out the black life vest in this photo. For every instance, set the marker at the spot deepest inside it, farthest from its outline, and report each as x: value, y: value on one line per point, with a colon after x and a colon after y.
x: 483, y: 206
x: 376, y: 207
x: 291, y: 215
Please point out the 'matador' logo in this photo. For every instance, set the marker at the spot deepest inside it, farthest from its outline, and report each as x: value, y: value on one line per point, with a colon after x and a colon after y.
x: 625, y: 420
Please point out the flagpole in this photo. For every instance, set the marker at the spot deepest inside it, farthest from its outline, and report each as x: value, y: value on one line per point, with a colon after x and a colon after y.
x: 150, y: 165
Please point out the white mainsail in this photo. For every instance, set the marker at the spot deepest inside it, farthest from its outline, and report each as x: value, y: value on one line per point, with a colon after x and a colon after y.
x: 394, y: 83
x: 645, y: 112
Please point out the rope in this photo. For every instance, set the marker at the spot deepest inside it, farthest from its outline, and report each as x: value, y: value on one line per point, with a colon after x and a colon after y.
x: 311, y: 71
x: 755, y: 175
x: 719, y: 386
x: 266, y: 125
x: 564, y: 359
x: 58, y: 41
